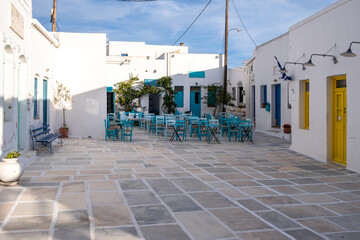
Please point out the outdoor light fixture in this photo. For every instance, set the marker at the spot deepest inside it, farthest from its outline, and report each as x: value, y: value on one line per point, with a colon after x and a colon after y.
x: 311, y: 64
x: 349, y: 53
x: 283, y: 69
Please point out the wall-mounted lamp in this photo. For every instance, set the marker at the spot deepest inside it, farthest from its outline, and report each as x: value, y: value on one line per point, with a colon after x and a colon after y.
x: 196, y: 84
x: 283, y: 69
x: 311, y: 64
x: 349, y: 53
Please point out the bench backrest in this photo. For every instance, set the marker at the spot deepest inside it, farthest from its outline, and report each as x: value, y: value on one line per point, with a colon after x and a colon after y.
x: 36, y: 132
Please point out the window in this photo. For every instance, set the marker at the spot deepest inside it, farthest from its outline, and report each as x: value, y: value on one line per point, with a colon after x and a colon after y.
x: 233, y: 93
x: 124, y: 54
x: 263, y: 94
x: 198, y: 74
x: 179, y: 96
x: 36, y: 114
x: 306, y: 104
x: 211, y: 98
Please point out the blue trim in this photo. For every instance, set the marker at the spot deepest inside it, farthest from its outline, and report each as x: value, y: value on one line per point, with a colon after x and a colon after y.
x: 151, y: 82
x: 265, y: 93
x: 45, y: 102
x: 35, y: 99
x: 197, y: 74
x: 211, y: 98
x: 195, y: 103
x: 278, y: 105
x: 179, y: 99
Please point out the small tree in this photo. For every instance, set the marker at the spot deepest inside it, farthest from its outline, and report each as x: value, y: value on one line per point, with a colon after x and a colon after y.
x: 169, y: 105
x: 216, y: 96
x: 129, y: 90
x: 62, y: 99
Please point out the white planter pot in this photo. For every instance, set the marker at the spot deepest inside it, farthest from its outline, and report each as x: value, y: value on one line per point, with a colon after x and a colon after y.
x: 10, y: 171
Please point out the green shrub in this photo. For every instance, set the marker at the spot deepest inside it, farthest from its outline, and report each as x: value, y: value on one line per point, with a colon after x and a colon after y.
x: 13, y: 154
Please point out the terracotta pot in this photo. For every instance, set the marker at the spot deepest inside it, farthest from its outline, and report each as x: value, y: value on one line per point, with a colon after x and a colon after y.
x: 287, y: 130
x: 64, y: 132
x: 10, y: 171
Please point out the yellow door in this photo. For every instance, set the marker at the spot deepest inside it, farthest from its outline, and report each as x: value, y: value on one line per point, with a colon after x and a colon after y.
x: 339, y: 120
x: 307, y: 104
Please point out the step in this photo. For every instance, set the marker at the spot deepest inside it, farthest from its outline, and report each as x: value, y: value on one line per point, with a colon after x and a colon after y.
x: 27, y: 157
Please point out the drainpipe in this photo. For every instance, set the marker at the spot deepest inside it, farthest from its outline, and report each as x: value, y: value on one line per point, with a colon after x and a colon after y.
x: 45, y: 33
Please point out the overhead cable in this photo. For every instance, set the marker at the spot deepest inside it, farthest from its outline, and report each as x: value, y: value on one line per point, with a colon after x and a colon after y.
x: 192, y: 22
x: 243, y: 23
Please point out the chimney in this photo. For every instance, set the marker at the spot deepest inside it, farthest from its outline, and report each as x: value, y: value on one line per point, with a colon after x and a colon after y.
x: 181, y: 44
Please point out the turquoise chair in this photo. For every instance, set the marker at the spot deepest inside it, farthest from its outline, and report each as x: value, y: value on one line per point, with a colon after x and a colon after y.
x: 245, y: 135
x: 233, y: 129
x: 203, y: 128
x: 193, y: 125
x: 170, y: 121
x: 110, y: 132
x: 150, y: 123
x: 180, y: 126
x: 160, y: 124
x: 141, y: 119
x: 127, y: 130
x: 223, y: 126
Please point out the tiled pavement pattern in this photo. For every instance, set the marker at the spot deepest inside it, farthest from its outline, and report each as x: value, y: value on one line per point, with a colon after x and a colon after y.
x: 157, y: 190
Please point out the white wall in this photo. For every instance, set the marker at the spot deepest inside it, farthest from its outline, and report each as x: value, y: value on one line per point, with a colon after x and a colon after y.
x: 336, y: 24
x: 244, y: 75
x: 182, y: 64
x: 267, y: 73
x: 80, y: 63
x: 13, y: 73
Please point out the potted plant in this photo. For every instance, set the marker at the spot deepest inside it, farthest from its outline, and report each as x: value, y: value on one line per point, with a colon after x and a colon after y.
x: 263, y: 105
x: 10, y: 169
x: 287, y: 128
x: 63, y: 100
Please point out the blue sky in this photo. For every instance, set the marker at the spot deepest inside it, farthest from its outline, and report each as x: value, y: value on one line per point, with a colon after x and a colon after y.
x: 163, y: 21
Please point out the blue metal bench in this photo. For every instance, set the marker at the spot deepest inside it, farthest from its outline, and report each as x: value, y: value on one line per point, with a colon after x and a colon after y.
x: 43, y: 136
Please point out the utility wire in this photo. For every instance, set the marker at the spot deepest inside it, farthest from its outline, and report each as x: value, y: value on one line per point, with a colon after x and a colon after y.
x: 243, y: 23
x: 192, y: 22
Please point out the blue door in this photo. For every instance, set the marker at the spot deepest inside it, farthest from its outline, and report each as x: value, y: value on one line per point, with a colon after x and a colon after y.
x: 45, y: 102
x: 195, y: 101
x: 277, y: 105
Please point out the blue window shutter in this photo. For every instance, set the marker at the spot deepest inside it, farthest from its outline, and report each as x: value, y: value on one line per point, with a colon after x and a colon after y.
x: 265, y: 93
x: 211, y: 98
x: 35, y: 98
x: 179, y: 99
x: 197, y: 74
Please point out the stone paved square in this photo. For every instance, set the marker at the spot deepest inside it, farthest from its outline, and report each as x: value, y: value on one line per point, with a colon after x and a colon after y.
x: 151, y: 188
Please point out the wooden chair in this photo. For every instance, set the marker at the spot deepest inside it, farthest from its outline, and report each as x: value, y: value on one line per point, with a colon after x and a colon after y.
x: 109, y: 131
x: 127, y: 130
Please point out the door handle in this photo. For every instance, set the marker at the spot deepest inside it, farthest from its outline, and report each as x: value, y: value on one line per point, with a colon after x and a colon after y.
x: 344, y: 110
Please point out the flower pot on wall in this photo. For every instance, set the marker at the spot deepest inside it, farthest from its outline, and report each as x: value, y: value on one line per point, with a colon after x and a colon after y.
x: 64, y: 132
x: 287, y: 128
x: 10, y: 171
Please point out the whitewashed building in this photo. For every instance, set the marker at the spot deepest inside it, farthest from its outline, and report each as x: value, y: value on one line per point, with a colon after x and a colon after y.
x: 33, y: 59
x: 240, y: 86
x: 189, y: 72
x: 319, y: 101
